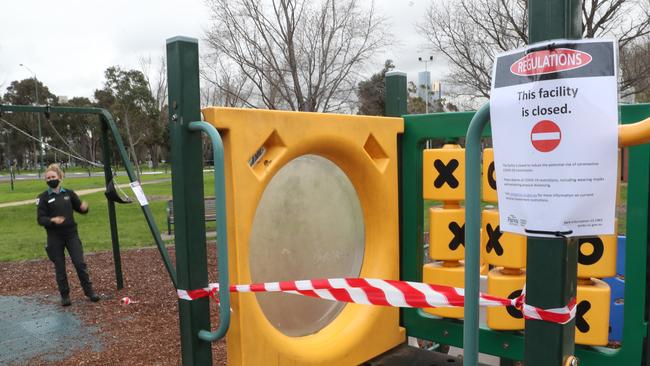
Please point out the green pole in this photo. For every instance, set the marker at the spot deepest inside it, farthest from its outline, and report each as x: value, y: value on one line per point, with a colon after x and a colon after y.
x: 472, y: 233
x: 40, y: 134
x: 11, y: 162
x: 551, y: 264
x: 187, y: 190
x: 395, y: 97
x: 112, y: 218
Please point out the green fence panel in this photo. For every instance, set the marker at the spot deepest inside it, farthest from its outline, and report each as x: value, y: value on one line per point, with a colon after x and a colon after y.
x: 508, y: 344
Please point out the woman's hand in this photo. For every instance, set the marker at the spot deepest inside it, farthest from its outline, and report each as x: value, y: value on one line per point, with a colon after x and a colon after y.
x: 84, y: 206
x: 57, y: 220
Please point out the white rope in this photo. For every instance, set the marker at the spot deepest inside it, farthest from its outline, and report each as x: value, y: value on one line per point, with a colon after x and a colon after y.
x: 50, y: 146
x: 60, y: 137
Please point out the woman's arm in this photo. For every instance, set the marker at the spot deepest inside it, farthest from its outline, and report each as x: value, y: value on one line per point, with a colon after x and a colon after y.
x: 42, y: 215
x: 77, y: 204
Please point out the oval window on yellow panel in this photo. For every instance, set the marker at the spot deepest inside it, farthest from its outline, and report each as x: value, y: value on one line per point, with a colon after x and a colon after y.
x: 308, y: 224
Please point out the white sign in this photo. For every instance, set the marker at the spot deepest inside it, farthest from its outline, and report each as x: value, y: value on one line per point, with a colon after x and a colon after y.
x: 554, y: 117
x: 139, y: 193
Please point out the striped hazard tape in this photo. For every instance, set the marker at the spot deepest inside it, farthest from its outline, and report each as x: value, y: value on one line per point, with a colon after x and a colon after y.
x: 404, y: 294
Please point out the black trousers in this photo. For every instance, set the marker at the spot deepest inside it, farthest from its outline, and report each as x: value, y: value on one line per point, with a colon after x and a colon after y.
x: 56, y: 243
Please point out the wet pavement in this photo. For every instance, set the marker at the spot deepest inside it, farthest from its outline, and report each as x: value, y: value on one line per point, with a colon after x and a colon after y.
x: 33, y: 327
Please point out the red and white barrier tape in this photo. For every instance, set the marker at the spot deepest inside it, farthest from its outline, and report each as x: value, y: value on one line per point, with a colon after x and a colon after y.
x: 403, y: 294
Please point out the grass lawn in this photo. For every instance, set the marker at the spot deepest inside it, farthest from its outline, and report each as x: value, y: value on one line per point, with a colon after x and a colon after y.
x: 22, y: 238
x: 29, y: 189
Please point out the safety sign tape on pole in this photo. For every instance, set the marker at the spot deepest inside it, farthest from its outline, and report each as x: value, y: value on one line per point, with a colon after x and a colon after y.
x: 394, y: 293
x: 139, y: 193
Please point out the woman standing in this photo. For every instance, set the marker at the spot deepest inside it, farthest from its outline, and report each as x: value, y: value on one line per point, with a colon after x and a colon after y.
x: 55, y: 207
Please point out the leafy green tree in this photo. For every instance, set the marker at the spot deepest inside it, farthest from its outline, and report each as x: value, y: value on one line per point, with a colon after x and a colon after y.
x: 127, y: 95
x: 371, y: 92
x: 24, y: 149
x: 80, y: 133
x: 416, y: 105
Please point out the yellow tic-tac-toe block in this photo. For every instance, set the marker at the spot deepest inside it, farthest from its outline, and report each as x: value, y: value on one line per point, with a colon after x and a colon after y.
x: 592, y: 313
x: 502, y: 249
x: 446, y: 233
x: 436, y: 273
x: 597, y: 256
x: 443, y: 174
x: 489, y: 180
x: 508, y: 285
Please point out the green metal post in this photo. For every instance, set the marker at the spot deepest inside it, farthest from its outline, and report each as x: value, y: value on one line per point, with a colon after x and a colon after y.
x: 11, y: 162
x: 551, y: 264
x: 551, y: 19
x: 112, y: 218
x: 551, y: 269
x: 40, y: 134
x: 187, y: 190
x: 395, y: 94
x: 472, y: 233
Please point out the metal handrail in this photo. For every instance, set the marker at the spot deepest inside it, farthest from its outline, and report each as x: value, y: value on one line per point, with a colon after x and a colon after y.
x: 472, y: 230
x: 634, y: 134
x: 222, y: 237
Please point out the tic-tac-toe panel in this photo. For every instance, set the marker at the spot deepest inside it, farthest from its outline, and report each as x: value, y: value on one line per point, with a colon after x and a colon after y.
x: 309, y: 195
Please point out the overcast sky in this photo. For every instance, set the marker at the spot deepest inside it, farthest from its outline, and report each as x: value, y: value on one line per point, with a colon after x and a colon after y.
x: 69, y: 43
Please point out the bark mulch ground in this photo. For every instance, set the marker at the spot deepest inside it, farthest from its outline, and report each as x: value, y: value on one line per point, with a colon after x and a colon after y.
x: 146, y: 332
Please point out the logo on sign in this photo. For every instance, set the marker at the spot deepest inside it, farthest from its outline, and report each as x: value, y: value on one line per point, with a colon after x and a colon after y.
x: 545, y: 136
x: 512, y: 220
x: 550, y: 61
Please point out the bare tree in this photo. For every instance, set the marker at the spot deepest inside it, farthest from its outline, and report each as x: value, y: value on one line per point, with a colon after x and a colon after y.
x: 295, y: 54
x: 156, y: 78
x: 469, y: 32
x: 224, y: 84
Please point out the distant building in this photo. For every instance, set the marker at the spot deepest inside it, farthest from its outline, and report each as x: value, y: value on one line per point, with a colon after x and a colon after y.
x: 436, y: 90
x: 424, y: 84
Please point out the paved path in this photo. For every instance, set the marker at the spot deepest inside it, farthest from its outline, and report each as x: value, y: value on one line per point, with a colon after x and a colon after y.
x: 37, y: 327
x: 71, y: 175
x: 81, y: 193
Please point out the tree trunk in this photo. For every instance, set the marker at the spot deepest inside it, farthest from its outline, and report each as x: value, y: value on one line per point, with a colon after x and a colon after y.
x: 155, y: 155
x: 35, y: 146
x: 134, y: 155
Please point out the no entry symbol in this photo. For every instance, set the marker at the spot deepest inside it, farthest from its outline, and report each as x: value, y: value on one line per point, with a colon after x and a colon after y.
x: 545, y: 136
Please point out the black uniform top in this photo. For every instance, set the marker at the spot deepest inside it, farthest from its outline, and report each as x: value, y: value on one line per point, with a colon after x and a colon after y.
x: 51, y: 204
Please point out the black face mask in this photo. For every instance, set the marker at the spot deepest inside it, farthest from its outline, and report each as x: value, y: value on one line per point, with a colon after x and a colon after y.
x: 53, y: 183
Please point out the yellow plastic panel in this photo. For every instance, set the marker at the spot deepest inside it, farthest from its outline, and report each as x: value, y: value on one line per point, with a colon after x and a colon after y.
x: 502, y: 249
x: 506, y: 286
x: 443, y: 174
x: 437, y: 273
x: 489, y: 180
x: 597, y: 256
x: 328, y: 244
x: 446, y: 233
x: 259, y: 143
x: 592, y: 313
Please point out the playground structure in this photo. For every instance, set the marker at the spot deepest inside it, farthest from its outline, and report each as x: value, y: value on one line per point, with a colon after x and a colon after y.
x: 262, y: 146
x: 274, y: 139
x: 270, y: 171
